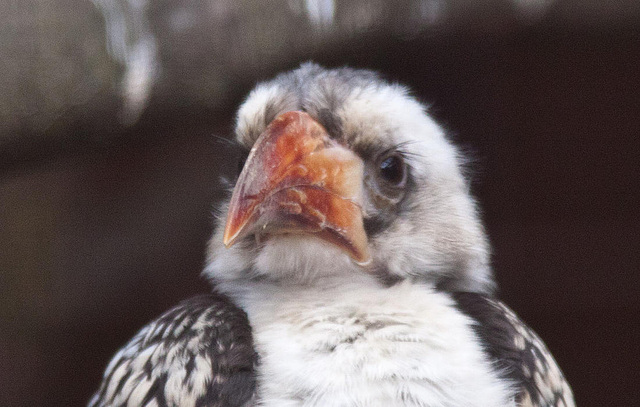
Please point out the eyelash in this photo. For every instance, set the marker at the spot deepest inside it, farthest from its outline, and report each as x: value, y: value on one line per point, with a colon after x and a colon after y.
x: 401, y: 150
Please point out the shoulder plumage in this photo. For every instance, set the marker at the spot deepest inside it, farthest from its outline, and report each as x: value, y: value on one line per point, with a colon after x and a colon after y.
x: 518, y: 353
x: 199, y: 353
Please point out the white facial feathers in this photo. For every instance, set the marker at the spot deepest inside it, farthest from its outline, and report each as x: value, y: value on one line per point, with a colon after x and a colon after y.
x: 434, y: 235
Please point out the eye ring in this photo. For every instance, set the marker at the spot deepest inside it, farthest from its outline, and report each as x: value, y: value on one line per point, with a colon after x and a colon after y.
x: 392, y: 169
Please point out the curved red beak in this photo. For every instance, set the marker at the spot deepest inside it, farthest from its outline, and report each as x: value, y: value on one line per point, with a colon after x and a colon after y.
x: 297, y: 180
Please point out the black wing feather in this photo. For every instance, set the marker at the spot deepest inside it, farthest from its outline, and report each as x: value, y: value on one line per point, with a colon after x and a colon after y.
x: 518, y: 353
x: 198, y: 353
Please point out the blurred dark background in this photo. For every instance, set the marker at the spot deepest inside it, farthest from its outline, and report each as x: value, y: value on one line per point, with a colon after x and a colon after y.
x: 109, y: 168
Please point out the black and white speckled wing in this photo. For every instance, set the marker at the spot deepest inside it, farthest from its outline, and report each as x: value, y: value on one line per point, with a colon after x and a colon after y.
x: 199, y: 353
x: 519, y: 354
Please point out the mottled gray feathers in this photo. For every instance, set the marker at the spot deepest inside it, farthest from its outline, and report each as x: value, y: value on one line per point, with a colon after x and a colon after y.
x: 518, y: 353
x: 199, y: 353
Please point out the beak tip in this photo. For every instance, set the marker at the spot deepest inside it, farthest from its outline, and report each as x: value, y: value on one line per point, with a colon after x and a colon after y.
x: 227, y: 239
x: 232, y: 233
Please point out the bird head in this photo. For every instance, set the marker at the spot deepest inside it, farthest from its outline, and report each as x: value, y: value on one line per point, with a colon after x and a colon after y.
x: 347, y: 177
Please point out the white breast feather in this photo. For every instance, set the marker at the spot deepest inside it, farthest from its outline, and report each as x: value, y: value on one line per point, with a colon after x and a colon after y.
x: 371, y: 346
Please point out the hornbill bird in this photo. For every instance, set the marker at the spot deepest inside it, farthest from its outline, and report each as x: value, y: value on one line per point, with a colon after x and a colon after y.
x: 349, y: 268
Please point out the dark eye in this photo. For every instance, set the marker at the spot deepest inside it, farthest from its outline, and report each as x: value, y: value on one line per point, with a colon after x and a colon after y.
x: 392, y: 169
